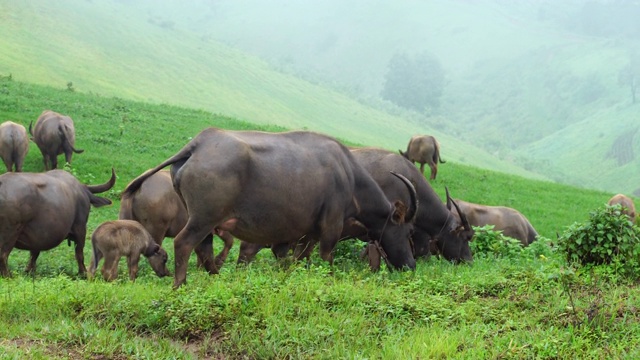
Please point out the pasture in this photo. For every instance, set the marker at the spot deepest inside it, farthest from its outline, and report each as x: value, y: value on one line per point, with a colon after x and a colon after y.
x: 533, y: 305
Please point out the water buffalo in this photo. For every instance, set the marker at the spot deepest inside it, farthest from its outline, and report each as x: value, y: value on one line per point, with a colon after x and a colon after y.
x: 627, y: 205
x: 39, y: 210
x: 424, y: 149
x: 54, y: 134
x: 278, y: 188
x: 510, y: 221
x: 161, y: 211
x: 14, y: 145
x: 435, y: 223
x: 115, y: 239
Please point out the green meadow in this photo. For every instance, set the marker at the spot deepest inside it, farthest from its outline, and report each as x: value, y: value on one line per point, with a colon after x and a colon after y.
x: 530, y: 306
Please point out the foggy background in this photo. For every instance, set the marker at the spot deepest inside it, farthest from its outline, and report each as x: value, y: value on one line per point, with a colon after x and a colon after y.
x: 545, y: 86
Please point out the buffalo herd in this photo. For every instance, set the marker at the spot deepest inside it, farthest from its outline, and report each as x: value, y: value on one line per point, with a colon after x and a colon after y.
x: 287, y: 191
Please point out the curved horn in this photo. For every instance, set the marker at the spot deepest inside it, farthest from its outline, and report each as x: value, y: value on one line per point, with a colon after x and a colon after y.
x: 463, y: 218
x: 103, y: 187
x: 413, y: 210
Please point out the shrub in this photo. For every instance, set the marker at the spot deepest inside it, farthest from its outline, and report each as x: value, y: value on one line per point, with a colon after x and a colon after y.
x: 607, y: 238
x: 489, y: 242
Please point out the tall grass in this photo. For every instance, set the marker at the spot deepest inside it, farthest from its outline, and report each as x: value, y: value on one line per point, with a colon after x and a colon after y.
x: 526, y: 307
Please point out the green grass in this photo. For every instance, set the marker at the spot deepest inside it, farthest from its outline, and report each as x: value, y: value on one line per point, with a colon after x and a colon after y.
x: 496, y: 308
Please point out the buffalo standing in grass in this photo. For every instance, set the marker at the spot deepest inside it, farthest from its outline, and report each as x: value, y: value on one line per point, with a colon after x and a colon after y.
x: 434, y: 221
x: 14, y: 145
x: 160, y: 210
x: 627, y: 205
x: 510, y: 221
x: 39, y: 210
x: 280, y: 188
x: 54, y: 134
x: 115, y: 239
x: 424, y: 149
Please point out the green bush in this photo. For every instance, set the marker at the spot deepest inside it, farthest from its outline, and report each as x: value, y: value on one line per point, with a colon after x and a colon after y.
x: 489, y: 242
x: 607, y: 238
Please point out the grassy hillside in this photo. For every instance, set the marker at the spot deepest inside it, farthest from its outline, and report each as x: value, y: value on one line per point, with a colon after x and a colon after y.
x: 530, y: 306
x: 115, y: 49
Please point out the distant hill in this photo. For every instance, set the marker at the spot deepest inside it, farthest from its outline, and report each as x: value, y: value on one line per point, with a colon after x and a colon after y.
x: 532, y: 88
x: 117, y: 49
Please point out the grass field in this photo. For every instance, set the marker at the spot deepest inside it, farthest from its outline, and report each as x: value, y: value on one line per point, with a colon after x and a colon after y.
x: 530, y: 306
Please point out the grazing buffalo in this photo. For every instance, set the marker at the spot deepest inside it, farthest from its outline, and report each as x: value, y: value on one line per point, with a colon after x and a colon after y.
x: 434, y: 221
x: 510, y: 221
x: 268, y: 188
x: 424, y: 149
x: 160, y: 210
x: 54, y: 134
x: 627, y: 205
x: 14, y: 145
x: 115, y: 239
x: 39, y: 210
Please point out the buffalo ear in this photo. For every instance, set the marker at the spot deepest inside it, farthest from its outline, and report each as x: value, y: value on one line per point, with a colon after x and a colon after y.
x: 399, y: 212
x: 152, y: 250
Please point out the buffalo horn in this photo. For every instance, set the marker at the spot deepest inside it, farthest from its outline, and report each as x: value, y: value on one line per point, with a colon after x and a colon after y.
x: 413, y: 210
x: 95, y: 189
x: 463, y: 218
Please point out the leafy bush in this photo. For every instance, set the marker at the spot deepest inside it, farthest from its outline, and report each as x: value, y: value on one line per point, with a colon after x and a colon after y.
x: 607, y: 238
x: 489, y: 242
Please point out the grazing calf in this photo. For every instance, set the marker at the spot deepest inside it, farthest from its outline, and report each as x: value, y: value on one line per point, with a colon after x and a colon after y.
x: 114, y: 239
x: 14, y: 145
x: 627, y: 205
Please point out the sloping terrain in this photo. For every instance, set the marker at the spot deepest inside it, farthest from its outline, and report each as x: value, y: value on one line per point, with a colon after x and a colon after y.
x: 113, y: 49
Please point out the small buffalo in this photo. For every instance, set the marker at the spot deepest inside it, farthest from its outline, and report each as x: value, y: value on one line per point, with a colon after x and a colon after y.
x: 510, y: 221
x: 424, y: 149
x: 115, y: 239
x: 627, y: 205
x: 54, y: 134
x: 14, y: 145
x: 158, y: 207
x: 40, y: 210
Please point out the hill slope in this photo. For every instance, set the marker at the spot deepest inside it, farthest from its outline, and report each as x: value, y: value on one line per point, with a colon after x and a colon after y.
x: 101, y: 47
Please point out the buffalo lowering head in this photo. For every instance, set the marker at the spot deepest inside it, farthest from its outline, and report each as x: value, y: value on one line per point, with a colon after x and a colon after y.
x: 453, y: 240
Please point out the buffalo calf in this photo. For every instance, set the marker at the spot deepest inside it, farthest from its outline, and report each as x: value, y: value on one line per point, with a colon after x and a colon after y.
x: 114, y: 239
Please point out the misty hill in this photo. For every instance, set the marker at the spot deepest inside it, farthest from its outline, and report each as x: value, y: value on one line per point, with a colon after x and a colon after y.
x: 120, y: 48
x: 529, y: 81
x: 529, y: 85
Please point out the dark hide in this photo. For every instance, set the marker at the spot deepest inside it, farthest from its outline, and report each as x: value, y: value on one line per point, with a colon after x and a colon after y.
x: 40, y: 210
x: 54, y: 134
x: 161, y: 211
x: 269, y: 188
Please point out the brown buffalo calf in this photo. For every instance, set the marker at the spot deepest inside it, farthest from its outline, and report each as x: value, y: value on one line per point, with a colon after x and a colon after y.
x: 627, y: 205
x: 114, y: 239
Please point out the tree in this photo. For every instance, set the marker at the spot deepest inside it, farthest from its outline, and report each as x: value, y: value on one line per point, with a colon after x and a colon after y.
x: 414, y: 83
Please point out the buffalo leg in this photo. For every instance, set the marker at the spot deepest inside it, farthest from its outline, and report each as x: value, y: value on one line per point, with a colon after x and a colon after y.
x: 9, y: 165
x: 6, y: 245
x: 110, y: 266
x: 422, y: 168
x: 95, y: 260
x: 188, y: 238
x: 434, y: 171
x: 132, y: 265
x: 304, y: 248
x: 228, y: 244
x: 204, y: 254
x: 248, y: 252
x: 31, y: 266
x: 19, y: 164
x: 54, y: 162
x: 78, y: 236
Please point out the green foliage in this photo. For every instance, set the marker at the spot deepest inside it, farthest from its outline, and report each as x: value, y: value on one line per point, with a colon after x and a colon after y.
x: 607, y: 238
x: 414, y: 82
x: 490, y: 243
